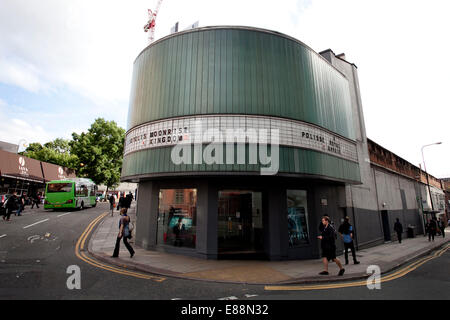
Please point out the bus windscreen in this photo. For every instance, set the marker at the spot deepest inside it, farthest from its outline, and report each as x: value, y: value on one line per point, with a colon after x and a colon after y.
x: 59, y: 187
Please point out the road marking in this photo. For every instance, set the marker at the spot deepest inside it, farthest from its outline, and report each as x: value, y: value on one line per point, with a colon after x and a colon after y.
x: 251, y: 295
x: 229, y: 298
x: 64, y: 214
x: 33, y: 238
x: 2, y: 236
x: 35, y: 223
x: 399, y: 273
x: 79, y: 247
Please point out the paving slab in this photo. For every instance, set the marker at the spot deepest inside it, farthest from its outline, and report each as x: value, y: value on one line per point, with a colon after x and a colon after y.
x: 387, y: 256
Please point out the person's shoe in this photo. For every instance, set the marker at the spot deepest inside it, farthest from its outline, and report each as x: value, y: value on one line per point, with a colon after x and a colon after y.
x: 114, y: 256
x: 357, y: 262
x: 324, y: 273
x: 131, y: 255
x: 341, y: 272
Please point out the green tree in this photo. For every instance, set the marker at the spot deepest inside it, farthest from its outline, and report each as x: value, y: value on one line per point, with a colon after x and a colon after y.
x: 56, y: 152
x: 99, y: 152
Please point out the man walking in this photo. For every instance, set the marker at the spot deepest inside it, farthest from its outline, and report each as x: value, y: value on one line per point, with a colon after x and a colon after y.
x: 11, y: 204
x: 431, y: 229
x: 128, y: 200
x: 112, y: 201
x: 121, y: 201
x: 21, y: 205
x: 346, y: 230
x: 35, y: 201
x: 328, y: 246
x: 399, y: 229
x: 442, y: 227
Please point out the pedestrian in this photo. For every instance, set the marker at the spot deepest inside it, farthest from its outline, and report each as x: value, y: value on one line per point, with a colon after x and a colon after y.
x: 124, y: 233
x: 346, y: 230
x: 129, y: 199
x: 11, y: 204
x: 112, y: 202
x: 21, y: 205
x: 121, y: 202
x: 430, y: 228
x: 442, y: 227
x: 35, y: 201
x: 399, y: 229
x: 328, y: 245
x: 321, y: 227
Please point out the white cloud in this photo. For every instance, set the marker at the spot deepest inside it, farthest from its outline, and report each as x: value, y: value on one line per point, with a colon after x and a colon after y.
x: 17, y: 130
x: 20, y: 125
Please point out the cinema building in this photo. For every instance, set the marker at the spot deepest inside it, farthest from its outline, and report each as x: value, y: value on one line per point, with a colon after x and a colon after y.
x: 193, y: 89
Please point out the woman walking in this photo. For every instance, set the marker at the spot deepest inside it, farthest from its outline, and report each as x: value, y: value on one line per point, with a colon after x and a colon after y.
x: 124, y: 233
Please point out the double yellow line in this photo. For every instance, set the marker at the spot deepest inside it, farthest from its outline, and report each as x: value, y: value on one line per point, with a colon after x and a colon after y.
x: 79, y: 252
x: 390, y: 277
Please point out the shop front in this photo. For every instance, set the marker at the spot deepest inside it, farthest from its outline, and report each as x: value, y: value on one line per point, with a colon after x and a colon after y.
x: 28, y: 176
x: 227, y: 218
x: 20, y: 174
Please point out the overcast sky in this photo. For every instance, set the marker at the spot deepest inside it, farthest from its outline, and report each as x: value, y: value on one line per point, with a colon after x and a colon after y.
x: 64, y: 63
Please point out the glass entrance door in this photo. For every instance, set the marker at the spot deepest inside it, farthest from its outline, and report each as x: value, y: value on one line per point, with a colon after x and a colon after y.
x: 240, y: 228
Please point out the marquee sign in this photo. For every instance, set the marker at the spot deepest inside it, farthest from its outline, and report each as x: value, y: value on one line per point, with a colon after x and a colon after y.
x: 292, y: 133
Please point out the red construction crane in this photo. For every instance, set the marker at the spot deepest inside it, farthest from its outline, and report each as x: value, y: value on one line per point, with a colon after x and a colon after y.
x: 150, y: 26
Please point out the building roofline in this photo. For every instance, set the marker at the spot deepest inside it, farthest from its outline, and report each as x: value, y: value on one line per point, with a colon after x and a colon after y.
x: 235, y: 27
x: 338, y: 57
x: 416, y: 167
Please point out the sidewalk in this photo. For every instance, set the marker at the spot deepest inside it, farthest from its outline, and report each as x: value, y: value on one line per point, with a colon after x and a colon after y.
x: 387, y: 256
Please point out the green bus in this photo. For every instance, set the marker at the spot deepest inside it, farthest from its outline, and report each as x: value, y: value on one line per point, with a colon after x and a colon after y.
x: 72, y: 193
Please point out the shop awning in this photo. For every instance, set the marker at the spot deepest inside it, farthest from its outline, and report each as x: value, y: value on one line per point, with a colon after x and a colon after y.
x: 32, y: 179
x: 55, y: 172
x: 431, y: 211
x: 19, y: 167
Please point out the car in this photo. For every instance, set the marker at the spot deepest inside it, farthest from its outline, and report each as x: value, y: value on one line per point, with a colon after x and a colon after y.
x: 100, y: 197
x: 2, y: 205
x: 4, y: 196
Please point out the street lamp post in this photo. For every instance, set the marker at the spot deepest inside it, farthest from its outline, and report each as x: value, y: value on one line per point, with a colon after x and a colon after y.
x: 424, y: 166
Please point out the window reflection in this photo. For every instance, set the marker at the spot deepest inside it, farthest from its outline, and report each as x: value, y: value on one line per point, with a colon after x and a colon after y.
x: 177, y: 217
x: 297, y: 218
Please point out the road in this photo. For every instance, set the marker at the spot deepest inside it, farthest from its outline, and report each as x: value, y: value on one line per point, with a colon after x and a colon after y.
x: 37, y: 249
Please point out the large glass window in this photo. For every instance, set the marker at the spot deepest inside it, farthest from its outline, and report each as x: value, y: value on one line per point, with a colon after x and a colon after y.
x: 177, y: 217
x: 59, y: 187
x: 297, y: 218
x: 240, y: 223
x: 81, y: 191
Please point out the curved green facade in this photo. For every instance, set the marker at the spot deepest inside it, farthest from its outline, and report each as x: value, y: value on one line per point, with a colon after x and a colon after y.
x: 244, y: 71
